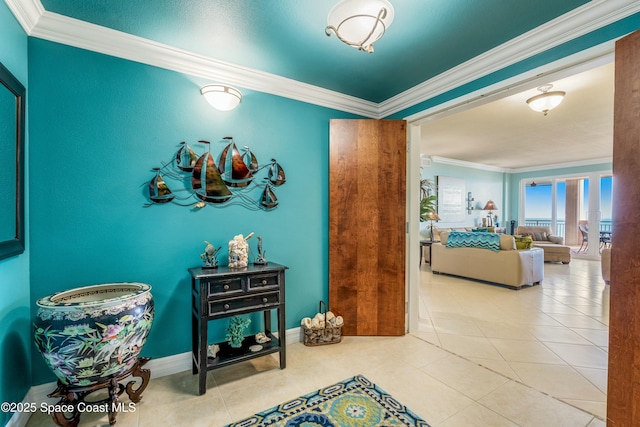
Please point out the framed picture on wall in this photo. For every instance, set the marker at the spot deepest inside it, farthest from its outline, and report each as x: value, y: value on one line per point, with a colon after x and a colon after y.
x: 451, y: 202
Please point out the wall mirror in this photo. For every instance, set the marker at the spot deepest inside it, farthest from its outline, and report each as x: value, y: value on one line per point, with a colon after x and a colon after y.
x: 12, y: 115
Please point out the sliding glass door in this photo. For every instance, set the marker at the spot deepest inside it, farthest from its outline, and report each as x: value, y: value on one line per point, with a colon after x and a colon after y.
x: 577, y: 208
x: 545, y: 204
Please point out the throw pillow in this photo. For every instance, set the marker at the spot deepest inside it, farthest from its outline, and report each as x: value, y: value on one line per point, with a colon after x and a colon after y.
x: 437, y: 231
x: 444, y: 236
x: 539, y: 235
x: 507, y: 243
x: 480, y: 230
x: 478, y: 240
x: 524, y: 242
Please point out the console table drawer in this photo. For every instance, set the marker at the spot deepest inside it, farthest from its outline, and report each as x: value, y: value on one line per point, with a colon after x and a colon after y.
x: 261, y: 282
x: 249, y: 301
x: 221, y: 288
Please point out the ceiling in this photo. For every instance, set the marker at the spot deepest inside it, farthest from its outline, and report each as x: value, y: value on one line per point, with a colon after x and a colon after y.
x: 507, y: 134
x: 287, y: 37
x: 280, y: 47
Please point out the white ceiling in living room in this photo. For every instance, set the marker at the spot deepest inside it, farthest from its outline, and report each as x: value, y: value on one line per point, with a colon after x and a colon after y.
x: 507, y: 134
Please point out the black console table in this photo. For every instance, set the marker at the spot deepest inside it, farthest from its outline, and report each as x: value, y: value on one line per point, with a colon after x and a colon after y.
x: 225, y: 292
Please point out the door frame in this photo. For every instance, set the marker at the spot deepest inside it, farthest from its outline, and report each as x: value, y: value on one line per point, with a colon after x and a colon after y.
x: 565, y: 67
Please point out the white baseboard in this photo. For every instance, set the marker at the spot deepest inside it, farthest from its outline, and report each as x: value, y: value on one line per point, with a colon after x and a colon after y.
x: 164, y: 366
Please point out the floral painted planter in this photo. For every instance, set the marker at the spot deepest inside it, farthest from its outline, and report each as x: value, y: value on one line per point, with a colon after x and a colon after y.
x: 90, y: 334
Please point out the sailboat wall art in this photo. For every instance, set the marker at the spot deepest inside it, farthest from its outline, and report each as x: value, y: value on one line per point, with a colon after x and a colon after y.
x: 235, y: 177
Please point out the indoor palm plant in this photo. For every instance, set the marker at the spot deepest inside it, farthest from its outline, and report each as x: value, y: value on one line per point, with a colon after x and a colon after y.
x: 427, y: 199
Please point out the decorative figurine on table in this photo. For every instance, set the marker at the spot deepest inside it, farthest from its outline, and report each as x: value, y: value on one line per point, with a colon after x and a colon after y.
x: 262, y: 338
x: 212, y: 350
x: 261, y: 258
x: 239, y: 251
x: 209, y: 257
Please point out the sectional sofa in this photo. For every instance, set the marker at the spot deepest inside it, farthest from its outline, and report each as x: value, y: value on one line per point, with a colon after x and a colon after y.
x: 507, y: 267
x: 554, y: 248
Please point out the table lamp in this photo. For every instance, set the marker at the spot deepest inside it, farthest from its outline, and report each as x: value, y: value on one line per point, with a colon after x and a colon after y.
x: 432, y: 216
x: 490, y: 206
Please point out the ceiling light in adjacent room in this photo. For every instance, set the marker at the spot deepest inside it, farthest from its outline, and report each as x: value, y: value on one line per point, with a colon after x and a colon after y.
x: 221, y: 97
x: 360, y: 23
x: 546, y: 101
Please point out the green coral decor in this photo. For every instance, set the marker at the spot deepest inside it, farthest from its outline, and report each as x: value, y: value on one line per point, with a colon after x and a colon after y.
x: 235, y: 330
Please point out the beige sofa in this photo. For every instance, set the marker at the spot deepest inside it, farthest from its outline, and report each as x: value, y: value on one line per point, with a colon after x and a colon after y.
x: 509, y: 267
x: 554, y: 248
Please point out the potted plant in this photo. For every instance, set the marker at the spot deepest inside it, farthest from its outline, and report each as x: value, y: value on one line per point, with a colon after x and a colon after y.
x: 427, y: 199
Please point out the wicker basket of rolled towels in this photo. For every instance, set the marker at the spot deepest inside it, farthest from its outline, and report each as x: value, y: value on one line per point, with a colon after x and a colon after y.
x: 324, y: 328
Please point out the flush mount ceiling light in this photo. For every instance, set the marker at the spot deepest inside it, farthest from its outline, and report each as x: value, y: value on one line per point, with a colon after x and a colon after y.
x: 546, y: 101
x: 360, y: 23
x: 221, y: 97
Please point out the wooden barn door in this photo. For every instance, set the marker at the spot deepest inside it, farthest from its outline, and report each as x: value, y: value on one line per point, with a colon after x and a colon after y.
x: 367, y: 225
x: 623, y: 395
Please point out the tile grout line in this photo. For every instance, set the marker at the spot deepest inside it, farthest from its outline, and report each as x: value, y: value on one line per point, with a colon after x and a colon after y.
x: 509, y: 379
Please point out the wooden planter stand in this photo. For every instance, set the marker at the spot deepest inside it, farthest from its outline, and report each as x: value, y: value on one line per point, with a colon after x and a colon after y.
x: 73, y: 396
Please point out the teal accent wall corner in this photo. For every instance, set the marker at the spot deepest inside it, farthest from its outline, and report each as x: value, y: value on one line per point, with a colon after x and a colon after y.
x: 100, y: 124
x: 15, y: 317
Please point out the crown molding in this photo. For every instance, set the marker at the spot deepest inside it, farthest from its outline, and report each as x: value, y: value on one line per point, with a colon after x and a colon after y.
x: 571, y: 65
x: 27, y: 12
x: 40, y: 23
x: 481, y: 166
x: 581, y: 21
x: 565, y: 165
x: 465, y: 164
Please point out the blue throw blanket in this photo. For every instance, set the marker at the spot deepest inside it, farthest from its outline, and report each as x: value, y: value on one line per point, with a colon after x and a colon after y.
x: 460, y: 239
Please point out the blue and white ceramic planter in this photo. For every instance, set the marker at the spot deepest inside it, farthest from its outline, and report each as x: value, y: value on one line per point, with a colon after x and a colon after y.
x: 90, y: 334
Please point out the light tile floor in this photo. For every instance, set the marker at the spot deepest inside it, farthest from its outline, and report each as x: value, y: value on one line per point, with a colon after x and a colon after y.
x: 553, y: 337
x: 486, y: 356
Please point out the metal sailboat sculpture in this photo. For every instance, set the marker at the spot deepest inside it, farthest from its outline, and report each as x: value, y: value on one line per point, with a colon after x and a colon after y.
x: 234, y: 177
x: 186, y: 158
x: 276, y: 173
x: 268, y: 199
x: 250, y: 160
x: 206, y: 181
x: 158, y: 190
x: 232, y: 168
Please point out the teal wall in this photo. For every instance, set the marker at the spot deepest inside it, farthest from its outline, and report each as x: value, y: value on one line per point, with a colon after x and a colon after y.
x: 99, y: 124
x: 15, y: 333
x: 483, y: 184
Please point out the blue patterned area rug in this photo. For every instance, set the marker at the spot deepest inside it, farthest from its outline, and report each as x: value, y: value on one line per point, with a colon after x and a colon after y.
x: 356, y: 402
